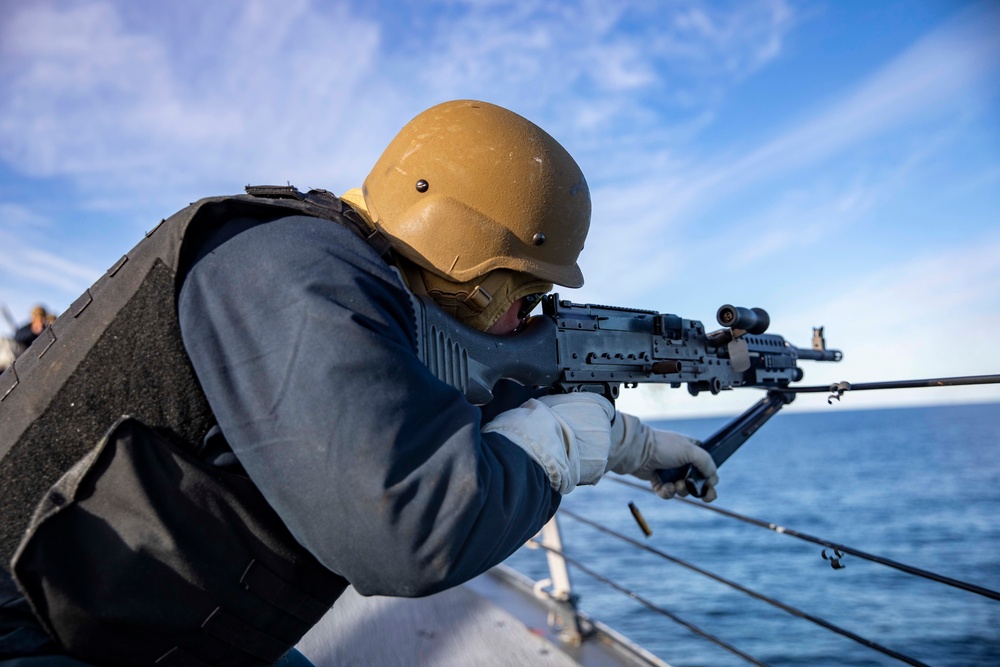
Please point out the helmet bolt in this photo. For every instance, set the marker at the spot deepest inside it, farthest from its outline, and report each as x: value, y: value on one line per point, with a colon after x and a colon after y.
x: 538, y: 239
x: 422, y: 185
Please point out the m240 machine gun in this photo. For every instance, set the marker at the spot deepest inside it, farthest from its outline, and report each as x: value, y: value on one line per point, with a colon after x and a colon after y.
x: 584, y: 347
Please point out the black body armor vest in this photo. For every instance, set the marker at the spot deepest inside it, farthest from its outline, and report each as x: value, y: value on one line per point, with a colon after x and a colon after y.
x: 130, y: 550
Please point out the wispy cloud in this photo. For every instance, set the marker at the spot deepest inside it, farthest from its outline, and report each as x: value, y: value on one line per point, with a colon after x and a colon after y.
x: 941, y: 73
x: 741, y: 37
x: 945, y: 72
x: 120, y: 106
x: 136, y: 107
x: 646, y: 65
x: 922, y: 318
x: 929, y: 316
x: 41, y: 269
x: 108, y: 95
x: 936, y: 85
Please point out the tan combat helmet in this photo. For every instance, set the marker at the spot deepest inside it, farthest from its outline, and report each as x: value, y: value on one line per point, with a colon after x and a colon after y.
x: 467, y: 188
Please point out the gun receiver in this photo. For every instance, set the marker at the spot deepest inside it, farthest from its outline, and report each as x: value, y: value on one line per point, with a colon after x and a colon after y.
x: 584, y: 347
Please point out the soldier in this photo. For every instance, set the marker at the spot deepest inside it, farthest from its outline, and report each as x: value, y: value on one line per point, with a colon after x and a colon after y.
x: 27, y: 334
x: 282, y: 440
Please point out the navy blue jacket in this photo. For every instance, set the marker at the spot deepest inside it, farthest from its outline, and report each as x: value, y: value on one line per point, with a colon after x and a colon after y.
x: 25, y: 336
x: 303, y: 341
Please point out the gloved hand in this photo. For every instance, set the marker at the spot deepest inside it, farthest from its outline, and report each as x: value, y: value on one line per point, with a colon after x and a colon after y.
x: 638, y: 450
x: 569, y: 435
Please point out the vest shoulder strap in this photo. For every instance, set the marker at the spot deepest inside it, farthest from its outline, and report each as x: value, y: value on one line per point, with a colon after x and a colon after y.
x: 324, y: 204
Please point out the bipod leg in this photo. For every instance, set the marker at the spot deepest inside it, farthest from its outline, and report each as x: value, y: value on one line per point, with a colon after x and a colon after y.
x: 724, y: 442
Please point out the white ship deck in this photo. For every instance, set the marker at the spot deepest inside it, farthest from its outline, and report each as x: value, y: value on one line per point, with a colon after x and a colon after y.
x: 493, y: 620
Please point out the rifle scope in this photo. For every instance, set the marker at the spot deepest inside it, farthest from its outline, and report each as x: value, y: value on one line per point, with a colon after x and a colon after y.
x: 751, y: 320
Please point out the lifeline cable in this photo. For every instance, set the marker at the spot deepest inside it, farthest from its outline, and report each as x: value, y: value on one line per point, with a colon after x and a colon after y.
x: 837, y: 389
x: 759, y: 596
x: 909, y: 569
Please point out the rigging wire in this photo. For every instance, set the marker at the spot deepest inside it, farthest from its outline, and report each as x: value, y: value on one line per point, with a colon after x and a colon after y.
x: 650, y: 605
x: 909, y: 569
x: 754, y: 594
x: 896, y: 384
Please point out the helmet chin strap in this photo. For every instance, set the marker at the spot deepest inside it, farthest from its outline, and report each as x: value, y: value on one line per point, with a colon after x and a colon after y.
x: 477, y: 303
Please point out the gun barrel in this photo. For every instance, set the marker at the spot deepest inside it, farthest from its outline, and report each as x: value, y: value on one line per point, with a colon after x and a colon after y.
x: 819, y: 355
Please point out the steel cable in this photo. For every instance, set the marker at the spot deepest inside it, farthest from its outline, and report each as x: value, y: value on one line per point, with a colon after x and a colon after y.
x: 754, y: 594
x: 909, y: 569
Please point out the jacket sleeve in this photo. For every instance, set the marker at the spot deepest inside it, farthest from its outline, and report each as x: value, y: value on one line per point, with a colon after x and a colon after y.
x: 303, y: 341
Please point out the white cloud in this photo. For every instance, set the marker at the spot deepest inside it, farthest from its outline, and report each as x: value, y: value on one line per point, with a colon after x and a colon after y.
x: 21, y: 259
x: 949, y: 71
x: 45, y: 268
x: 929, y: 312
x: 104, y: 93
x: 559, y: 56
x: 135, y: 106
x: 942, y: 72
x: 111, y: 105
x: 34, y: 270
x: 928, y: 317
x: 143, y: 109
x: 818, y: 188
x: 742, y: 37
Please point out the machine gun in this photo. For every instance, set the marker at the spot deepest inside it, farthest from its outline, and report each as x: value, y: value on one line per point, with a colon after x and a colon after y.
x: 583, y: 347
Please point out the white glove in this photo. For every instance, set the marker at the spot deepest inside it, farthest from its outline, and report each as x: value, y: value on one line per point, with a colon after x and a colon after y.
x: 569, y: 435
x: 637, y: 449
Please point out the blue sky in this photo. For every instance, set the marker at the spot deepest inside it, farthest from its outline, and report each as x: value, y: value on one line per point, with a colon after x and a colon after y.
x: 836, y: 163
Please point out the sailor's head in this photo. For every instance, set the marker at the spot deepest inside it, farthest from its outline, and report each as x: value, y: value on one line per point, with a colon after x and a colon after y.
x: 486, y: 208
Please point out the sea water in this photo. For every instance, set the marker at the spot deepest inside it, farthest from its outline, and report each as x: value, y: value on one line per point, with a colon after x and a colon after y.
x: 920, y: 486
